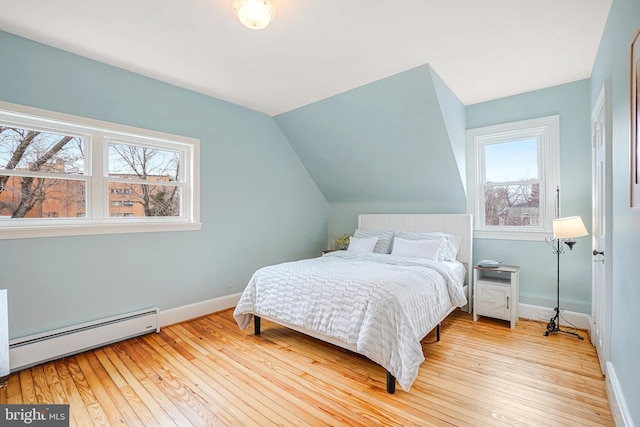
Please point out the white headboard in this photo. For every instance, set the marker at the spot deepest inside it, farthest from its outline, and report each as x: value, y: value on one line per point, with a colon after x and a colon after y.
x: 460, y: 224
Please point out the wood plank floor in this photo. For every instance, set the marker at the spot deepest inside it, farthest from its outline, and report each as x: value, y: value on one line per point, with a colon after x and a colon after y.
x: 207, y: 372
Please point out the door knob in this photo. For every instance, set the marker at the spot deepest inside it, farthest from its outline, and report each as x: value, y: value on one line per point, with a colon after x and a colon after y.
x: 596, y: 253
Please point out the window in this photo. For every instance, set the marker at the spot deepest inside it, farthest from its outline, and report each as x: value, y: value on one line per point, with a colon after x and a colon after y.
x: 67, y: 175
x: 41, y: 172
x: 148, y: 173
x: 516, y: 173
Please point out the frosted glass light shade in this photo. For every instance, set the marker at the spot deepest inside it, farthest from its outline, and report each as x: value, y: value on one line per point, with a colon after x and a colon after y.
x: 255, y: 14
x: 569, y: 228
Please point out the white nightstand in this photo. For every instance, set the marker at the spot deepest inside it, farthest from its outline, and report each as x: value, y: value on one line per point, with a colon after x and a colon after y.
x: 496, y: 292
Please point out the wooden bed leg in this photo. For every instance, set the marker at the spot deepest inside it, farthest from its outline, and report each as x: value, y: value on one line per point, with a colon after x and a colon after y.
x: 256, y: 324
x: 391, y: 383
x: 438, y: 332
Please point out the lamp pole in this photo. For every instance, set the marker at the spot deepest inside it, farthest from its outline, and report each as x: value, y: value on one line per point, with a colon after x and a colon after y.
x: 559, y: 235
x: 554, y: 323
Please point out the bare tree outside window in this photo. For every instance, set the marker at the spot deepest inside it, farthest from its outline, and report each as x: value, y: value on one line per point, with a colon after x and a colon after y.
x: 512, y: 205
x: 512, y: 184
x: 64, y: 175
x: 154, y: 175
x: 33, y: 163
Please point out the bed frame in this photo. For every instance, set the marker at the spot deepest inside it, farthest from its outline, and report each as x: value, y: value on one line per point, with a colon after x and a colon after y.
x: 460, y: 224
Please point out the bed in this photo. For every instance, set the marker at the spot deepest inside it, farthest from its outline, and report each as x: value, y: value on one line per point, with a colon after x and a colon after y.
x: 380, y: 298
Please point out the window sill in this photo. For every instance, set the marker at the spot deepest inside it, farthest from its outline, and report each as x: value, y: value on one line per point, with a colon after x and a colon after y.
x: 538, y: 236
x: 64, y: 230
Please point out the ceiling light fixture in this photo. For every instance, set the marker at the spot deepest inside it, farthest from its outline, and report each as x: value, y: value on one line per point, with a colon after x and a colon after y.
x: 255, y: 14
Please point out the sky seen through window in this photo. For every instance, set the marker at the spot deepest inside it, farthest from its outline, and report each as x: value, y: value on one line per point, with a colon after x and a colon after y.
x: 511, y: 161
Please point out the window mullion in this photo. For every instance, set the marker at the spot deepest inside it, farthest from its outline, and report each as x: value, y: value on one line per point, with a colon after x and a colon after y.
x: 97, y: 208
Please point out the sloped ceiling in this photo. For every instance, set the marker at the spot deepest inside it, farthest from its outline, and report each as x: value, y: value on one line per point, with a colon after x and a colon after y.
x: 319, y: 48
x: 386, y: 141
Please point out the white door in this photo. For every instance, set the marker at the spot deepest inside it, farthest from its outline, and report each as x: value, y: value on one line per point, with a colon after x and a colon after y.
x: 601, y: 283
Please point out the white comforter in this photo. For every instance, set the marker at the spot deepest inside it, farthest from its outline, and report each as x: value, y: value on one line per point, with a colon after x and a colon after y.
x: 381, y: 303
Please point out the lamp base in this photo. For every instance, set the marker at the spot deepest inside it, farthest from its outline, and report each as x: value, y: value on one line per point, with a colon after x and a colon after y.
x: 554, y: 326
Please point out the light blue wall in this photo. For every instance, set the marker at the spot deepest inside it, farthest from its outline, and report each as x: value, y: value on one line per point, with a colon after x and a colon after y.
x: 454, y: 115
x: 394, y: 145
x: 258, y: 203
x: 536, y: 260
x: 612, y: 64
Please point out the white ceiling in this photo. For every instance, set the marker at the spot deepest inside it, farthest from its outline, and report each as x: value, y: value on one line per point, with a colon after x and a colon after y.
x: 482, y: 49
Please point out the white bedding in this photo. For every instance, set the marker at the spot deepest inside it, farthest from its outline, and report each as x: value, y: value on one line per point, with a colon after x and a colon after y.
x: 382, y: 304
x: 457, y: 269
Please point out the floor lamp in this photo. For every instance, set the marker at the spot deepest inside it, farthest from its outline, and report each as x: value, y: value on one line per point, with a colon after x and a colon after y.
x: 565, y: 230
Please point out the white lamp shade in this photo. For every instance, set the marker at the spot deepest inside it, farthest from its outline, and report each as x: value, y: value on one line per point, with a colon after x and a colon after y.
x: 255, y: 14
x: 569, y: 228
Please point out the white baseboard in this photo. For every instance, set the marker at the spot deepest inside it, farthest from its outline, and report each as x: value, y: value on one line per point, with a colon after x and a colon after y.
x: 202, y: 308
x: 567, y: 318
x: 617, y: 403
x: 198, y: 309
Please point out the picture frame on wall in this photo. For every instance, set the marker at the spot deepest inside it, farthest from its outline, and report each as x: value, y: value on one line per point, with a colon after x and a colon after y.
x: 635, y: 121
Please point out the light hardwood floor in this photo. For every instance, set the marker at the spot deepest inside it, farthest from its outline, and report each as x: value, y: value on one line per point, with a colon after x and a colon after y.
x: 208, y: 372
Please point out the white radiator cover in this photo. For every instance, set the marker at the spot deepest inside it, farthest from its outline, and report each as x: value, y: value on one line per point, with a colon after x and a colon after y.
x: 35, y: 349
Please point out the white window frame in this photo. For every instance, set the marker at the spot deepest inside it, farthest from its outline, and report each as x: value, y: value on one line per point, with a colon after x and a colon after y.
x: 97, y: 135
x: 546, y: 130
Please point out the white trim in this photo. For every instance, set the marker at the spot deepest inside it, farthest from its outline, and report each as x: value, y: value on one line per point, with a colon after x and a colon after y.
x: 538, y: 236
x: 546, y: 130
x: 82, y: 123
x: 93, y: 228
x: 198, y: 309
x: 540, y: 313
x: 97, y: 135
x: 602, y: 224
x: 617, y: 403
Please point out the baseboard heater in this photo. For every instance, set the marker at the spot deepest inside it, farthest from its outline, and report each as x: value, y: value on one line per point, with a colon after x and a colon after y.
x: 35, y: 349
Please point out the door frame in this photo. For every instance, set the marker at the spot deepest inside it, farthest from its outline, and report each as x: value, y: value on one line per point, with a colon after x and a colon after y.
x: 602, y: 110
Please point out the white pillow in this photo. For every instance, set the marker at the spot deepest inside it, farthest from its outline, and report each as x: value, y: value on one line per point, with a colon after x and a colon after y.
x: 454, y: 241
x: 429, y: 249
x: 450, y: 242
x: 384, y: 239
x: 362, y: 245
